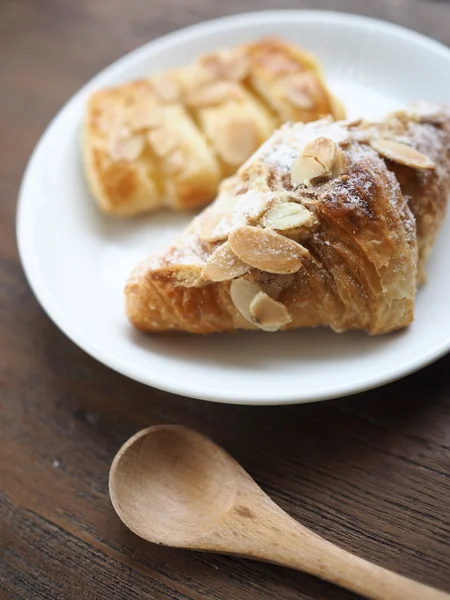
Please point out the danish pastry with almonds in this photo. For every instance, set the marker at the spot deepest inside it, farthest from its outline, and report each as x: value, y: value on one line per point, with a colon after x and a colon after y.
x: 168, y: 140
x: 328, y: 223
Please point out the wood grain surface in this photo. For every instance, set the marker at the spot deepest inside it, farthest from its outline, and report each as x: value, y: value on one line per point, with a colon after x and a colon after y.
x: 371, y: 472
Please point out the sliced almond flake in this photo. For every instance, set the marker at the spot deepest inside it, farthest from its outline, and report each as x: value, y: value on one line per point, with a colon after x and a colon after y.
x: 299, y: 98
x: 305, y: 169
x: 236, y: 139
x: 242, y: 293
x: 285, y: 146
x: 288, y: 215
x: 349, y: 123
x: 280, y: 64
x: 212, y: 94
x: 234, y: 67
x: 401, y: 153
x: 223, y: 264
x: 302, y: 89
x: 267, y: 313
x: 126, y: 148
x: 250, y: 206
x: 208, y: 227
x: 230, y: 212
x: 144, y: 114
x: 267, y: 250
x: 167, y: 87
x: 214, y: 64
x: 196, y: 77
x: 323, y: 150
x: 320, y: 158
x: 237, y: 67
x: 163, y: 141
x: 215, y: 222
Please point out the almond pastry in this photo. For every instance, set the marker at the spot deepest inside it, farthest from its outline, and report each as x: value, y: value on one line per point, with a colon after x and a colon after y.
x: 367, y: 229
x: 213, y: 114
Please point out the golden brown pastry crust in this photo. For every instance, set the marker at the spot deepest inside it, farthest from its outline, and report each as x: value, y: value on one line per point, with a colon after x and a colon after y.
x: 355, y: 255
x: 427, y: 128
x: 170, y: 139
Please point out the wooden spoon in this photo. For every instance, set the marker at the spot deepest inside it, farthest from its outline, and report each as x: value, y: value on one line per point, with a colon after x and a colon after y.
x: 173, y: 486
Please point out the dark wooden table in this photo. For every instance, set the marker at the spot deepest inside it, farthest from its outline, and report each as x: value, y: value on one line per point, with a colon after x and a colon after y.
x: 371, y: 472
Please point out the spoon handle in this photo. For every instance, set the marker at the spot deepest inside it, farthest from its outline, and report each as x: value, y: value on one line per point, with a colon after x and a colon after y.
x: 275, y: 537
x: 338, y: 566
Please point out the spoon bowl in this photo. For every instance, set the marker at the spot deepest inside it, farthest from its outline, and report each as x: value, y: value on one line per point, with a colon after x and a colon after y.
x: 173, y: 486
x: 170, y: 483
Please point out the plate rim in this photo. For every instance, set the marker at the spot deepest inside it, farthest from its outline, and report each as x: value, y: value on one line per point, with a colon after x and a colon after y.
x: 102, y: 355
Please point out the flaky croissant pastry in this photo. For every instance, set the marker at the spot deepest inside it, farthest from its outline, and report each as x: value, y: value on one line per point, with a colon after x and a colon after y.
x: 170, y: 139
x: 326, y: 224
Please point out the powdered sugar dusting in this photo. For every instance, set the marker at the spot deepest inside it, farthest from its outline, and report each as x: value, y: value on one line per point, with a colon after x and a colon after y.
x: 282, y: 157
x: 290, y: 140
x: 250, y: 206
x: 189, y: 252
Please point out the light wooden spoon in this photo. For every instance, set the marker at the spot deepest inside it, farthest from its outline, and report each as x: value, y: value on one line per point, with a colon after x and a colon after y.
x: 173, y: 486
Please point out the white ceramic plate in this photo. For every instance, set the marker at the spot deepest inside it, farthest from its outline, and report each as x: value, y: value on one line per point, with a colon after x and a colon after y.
x: 77, y: 259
